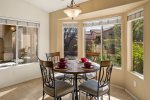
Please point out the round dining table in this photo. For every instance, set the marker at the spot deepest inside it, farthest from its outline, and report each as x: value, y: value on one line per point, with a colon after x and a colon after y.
x: 76, y: 67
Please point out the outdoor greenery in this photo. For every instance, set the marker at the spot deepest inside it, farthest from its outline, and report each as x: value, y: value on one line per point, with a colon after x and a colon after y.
x: 111, y: 44
x: 137, y: 45
x: 138, y: 57
x: 117, y: 33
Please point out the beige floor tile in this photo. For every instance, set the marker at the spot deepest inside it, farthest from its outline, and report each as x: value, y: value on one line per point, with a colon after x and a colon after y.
x: 32, y: 90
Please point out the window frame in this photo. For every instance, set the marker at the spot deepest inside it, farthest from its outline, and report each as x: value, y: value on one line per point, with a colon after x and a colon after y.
x: 69, y: 24
x: 17, y: 42
x: 101, y: 26
x: 129, y: 24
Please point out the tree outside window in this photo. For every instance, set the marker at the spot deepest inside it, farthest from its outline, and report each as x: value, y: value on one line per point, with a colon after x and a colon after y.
x: 70, y: 43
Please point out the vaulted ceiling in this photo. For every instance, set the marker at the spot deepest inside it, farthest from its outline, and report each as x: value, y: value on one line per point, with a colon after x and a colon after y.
x: 53, y: 5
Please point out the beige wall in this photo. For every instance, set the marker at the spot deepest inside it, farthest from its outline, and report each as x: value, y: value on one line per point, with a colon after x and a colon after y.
x: 91, y: 5
x: 122, y: 77
x: 141, y: 91
x: 56, y: 31
x: 147, y: 51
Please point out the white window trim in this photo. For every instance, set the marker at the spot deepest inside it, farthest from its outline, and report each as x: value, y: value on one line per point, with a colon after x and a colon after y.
x: 15, y: 22
x: 99, y: 22
x: 129, y: 50
x: 70, y: 24
x: 141, y: 76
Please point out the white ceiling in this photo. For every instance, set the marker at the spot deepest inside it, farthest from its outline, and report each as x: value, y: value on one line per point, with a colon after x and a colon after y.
x: 52, y: 5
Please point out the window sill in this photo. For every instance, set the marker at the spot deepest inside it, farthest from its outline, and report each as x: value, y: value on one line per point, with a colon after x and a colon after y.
x: 26, y: 64
x: 13, y: 65
x: 137, y: 75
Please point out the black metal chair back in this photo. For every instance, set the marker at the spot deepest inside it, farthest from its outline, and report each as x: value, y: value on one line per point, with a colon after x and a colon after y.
x: 104, y: 74
x: 47, y: 73
x: 54, y: 57
x: 52, y: 87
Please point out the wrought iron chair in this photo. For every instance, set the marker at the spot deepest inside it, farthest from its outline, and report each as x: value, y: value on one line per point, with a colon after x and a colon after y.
x: 52, y: 87
x: 55, y: 57
x: 96, y: 88
x: 94, y: 57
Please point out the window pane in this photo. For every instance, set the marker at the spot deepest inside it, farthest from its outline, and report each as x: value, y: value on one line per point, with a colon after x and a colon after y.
x: 7, y: 43
x: 27, y: 44
x: 137, y: 45
x: 104, y: 40
x: 112, y: 44
x: 93, y: 42
x: 70, y: 43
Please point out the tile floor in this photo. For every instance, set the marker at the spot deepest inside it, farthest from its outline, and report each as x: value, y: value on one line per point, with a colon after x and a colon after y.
x: 32, y: 90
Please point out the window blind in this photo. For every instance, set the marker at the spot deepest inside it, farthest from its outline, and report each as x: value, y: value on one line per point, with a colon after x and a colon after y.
x: 70, y: 25
x: 137, y: 14
x: 16, y: 22
x: 106, y: 21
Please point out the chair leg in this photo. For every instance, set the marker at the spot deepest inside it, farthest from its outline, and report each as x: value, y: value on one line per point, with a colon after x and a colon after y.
x: 102, y: 97
x: 96, y: 76
x: 97, y: 98
x: 57, y: 98
x: 79, y: 94
x: 91, y: 97
x: 86, y: 96
x: 72, y: 95
x: 109, y: 95
x: 71, y: 80
x: 43, y: 95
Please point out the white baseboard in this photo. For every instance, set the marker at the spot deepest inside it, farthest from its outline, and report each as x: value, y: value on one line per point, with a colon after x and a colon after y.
x: 120, y: 87
x: 134, y: 97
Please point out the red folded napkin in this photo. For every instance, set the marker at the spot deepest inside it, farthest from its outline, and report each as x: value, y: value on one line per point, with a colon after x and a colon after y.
x: 87, y: 64
x: 84, y: 59
x: 62, y: 64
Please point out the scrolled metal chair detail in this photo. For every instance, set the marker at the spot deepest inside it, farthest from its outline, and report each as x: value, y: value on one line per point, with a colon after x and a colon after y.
x: 96, y: 88
x: 51, y: 86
